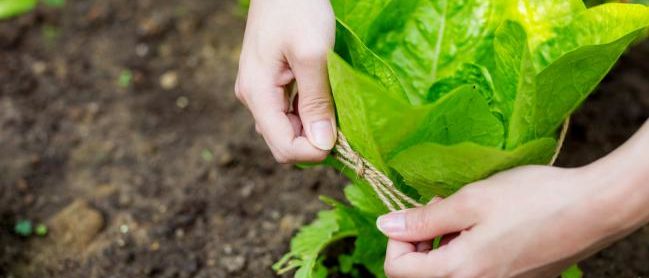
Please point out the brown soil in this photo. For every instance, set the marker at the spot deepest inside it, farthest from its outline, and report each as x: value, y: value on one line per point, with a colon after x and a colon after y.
x: 165, y: 177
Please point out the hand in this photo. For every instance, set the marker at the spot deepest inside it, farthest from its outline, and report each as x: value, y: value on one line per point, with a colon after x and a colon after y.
x: 286, y: 42
x: 529, y: 222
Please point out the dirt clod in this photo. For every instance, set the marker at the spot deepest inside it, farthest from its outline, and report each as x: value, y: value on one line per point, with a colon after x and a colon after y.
x: 75, y: 226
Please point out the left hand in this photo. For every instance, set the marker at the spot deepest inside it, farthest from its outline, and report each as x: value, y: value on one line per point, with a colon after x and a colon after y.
x: 532, y: 222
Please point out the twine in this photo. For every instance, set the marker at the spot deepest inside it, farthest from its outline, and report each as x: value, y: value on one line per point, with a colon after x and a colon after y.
x: 384, y: 188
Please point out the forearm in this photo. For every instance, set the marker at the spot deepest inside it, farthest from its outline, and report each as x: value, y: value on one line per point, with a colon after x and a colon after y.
x: 624, y: 176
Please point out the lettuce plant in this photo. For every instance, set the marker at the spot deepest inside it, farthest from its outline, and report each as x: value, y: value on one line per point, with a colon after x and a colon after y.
x: 439, y: 94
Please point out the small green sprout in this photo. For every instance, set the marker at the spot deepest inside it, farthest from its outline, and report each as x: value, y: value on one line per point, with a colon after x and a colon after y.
x: 125, y: 79
x: 207, y: 155
x: 41, y: 230
x: 23, y: 228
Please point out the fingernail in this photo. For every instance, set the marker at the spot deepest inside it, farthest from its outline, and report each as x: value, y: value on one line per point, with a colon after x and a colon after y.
x: 392, y: 223
x: 323, y: 134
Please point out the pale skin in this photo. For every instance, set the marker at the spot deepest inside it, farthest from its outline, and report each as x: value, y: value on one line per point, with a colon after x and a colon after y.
x: 527, y: 222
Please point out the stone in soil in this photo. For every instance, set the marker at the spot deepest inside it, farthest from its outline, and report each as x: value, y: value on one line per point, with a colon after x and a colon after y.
x: 233, y: 263
x: 169, y: 80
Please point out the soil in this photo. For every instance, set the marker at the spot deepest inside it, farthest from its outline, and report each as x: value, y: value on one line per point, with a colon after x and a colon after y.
x: 119, y: 129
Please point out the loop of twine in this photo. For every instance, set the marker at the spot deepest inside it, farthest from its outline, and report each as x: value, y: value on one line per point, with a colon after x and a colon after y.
x: 384, y: 188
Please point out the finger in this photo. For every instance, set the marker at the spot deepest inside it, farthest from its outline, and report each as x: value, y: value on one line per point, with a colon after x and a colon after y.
x: 315, y: 102
x: 269, y: 108
x: 426, y: 223
x: 397, y: 249
x: 401, y: 260
x: 296, y: 124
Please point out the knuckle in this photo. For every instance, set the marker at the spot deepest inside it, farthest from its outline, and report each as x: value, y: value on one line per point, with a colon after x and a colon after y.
x: 418, y: 220
x: 469, y: 200
x: 311, y: 53
x: 319, y: 103
x: 240, y: 91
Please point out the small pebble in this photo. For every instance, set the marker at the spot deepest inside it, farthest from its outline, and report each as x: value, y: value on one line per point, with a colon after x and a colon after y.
x: 180, y: 233
x: 227, y: 249
x: 268, y: 226
x: 211, y: 262
x: 226, y: 159
x: 169, y: 80
x: 182, y: 102
x: 233, y: 263
x: 289, y: 223
x: 154, y: 246
x: 39, y: 67
x: 247, y: 189
x: 141, y: 50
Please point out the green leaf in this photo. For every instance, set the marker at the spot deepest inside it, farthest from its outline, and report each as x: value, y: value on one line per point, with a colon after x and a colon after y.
x: 439, y: 170
x: 370, y: 244
x: 538, y: 17
x: 462, y: 115
x: 430, y: 40
x: 361, y: 196
x: 55, y: 3
x: 307, y: 245
x: 572, y: 272
x: 468, y: 74
x: 604, y: 24
x: 359, y: 15
x: 11, y: 8
x: 366, y: 61
x: 560, y: 88
x: 370, y: 112
x: 513, y: 69
x: 378, y: 125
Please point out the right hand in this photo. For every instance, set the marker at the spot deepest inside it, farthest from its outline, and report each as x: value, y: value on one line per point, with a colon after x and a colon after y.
x: 287, y: 41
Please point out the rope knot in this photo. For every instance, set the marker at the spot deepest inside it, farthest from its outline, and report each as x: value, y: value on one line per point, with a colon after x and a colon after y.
x: 380, y: 183
x: 359, y: 166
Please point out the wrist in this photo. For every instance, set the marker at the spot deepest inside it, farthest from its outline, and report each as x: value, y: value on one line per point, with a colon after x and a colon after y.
x: 619, y: 190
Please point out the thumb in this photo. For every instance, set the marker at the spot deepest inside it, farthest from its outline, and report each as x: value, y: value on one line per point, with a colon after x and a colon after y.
x: 314, y: 103
x: 428, y: 222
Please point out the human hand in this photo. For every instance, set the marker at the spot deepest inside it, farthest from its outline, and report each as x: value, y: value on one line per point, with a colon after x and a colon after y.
x: 528, y: 222
x: 287, y: 41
